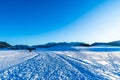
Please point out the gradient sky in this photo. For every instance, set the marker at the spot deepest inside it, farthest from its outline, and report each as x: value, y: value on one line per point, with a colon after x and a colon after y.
x: 41, y: 21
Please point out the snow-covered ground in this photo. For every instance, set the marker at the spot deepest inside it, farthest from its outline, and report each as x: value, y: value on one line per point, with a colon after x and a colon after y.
x: 10, y: 58
x: 106, y: 64
x: 80, y: 64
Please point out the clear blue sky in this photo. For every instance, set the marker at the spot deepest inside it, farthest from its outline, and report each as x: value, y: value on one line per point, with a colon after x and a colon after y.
x: 41, y: 21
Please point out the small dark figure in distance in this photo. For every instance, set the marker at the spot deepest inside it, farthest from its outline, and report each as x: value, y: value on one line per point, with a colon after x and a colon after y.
x: 30, y: 49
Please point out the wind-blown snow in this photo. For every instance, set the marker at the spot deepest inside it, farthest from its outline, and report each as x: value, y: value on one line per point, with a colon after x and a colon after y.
x: 80, y: 64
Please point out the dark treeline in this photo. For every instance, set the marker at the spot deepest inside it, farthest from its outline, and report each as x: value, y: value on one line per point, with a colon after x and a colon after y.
x: 71, y: 44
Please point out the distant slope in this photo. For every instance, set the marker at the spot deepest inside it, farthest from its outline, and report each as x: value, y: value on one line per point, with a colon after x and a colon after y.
x: 53, y: 44
x: 4, y: 45
x: 61, y: 48
x: 100, y: 44
x: 114, y: 43
x: 71, y: 44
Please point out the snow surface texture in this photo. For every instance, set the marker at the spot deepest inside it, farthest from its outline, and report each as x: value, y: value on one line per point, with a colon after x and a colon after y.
x: 10, y: 58
x: 83, y: 64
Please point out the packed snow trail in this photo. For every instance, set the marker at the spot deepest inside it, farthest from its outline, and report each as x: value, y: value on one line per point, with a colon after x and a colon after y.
x: 50, y: 66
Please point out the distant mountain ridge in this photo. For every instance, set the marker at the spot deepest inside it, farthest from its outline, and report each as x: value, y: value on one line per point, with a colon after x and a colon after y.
x: 61, y: 44
x: 113, y: 43
x: 52, y: 44
x: 4, y: 44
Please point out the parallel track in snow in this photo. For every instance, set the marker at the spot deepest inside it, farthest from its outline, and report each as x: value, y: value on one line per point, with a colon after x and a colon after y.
x: 80, y: 67
x: 49, y: 66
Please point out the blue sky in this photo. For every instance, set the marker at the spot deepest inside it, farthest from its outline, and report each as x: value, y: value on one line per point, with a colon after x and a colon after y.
x: 41, y: 21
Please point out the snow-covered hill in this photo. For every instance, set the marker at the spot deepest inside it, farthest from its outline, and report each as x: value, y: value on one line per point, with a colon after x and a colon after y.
x: 80, y: 64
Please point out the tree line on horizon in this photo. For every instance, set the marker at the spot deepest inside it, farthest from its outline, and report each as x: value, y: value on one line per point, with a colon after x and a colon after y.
x: 71, y: 44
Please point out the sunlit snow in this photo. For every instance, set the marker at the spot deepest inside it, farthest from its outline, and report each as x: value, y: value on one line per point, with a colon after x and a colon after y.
x: 82, y: 64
